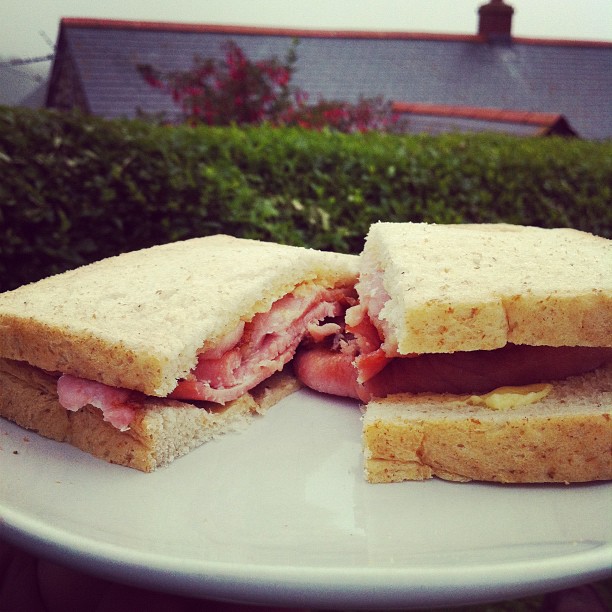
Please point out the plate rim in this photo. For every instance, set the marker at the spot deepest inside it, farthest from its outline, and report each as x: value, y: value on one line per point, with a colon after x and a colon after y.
x: 324, y: 582
x: 329, y: 586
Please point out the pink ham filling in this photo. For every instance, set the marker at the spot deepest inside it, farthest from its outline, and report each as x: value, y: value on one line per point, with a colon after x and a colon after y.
x: 359, y: 364
x: 267, y: 343
x: 372, y: 298
x: 74, y: 393
x: 241, y: 360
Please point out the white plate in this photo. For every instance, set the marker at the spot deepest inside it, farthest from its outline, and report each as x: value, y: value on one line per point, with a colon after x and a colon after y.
x: 280, y: 515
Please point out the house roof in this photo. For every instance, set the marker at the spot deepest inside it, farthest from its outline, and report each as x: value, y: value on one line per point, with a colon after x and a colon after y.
x: 434, y: 118
x: 20, y: 85
x: 553, y: 77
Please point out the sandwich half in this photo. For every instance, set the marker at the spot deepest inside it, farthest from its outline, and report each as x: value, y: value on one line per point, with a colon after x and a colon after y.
x: 463, y: 321
x: 139, y: 358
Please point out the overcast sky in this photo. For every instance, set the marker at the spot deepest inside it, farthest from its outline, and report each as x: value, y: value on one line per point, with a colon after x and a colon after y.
x: 27, y: 27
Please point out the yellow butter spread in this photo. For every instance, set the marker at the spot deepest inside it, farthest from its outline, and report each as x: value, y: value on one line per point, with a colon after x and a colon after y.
x: 504, y: 398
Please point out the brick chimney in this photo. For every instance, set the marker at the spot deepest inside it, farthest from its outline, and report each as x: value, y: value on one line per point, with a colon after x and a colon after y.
x: 495, y: 21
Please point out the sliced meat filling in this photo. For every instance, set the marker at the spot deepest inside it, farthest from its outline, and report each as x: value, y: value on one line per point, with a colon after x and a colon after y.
x: 357, y: 363
x: 246, y: 356
x: 265, y: 345
x: 117, y: 405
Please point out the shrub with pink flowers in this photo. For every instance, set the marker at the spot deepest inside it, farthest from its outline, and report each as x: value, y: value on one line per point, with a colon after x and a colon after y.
x: 238, y: 90
x: 366, y: 115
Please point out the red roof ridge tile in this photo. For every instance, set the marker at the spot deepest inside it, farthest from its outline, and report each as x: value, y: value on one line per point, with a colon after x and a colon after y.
x: 92, y: 22
x: 479, y: 113
x: 561, y: 42
x: 87, y: 22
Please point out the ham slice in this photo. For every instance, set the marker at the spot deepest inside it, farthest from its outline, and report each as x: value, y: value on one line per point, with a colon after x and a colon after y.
x: 243, y: 358
x: 483, y: 371
x: 358, y: 366
x: 327, y: 371
x: 267, y: 343
x: 374, y: 375
x: 116, y: 404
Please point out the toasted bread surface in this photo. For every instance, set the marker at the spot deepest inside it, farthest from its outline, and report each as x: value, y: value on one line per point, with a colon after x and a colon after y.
x: 138, y: 320
x: 564, y: 437
x: 162, y: 430
x: 478, y: 287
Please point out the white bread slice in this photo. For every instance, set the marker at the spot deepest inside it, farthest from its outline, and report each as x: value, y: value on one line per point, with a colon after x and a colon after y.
x: 478, y: 287
x: 138, y: 320
x: 162, y: 431
x: 564, y: 437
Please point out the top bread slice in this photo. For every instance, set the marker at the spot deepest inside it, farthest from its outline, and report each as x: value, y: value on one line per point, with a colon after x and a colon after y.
x: 138, y: 320
x: 478, y: 287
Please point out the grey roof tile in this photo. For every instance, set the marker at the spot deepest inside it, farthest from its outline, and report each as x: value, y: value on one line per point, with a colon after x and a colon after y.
x: 569, y: 78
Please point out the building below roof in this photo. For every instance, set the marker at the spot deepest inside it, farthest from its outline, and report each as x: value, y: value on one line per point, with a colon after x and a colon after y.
x: 21, y: 85
x: 566, y: 83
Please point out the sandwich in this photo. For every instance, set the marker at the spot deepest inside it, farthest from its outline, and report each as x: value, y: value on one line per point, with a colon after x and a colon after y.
x: 481, y: 352
x: 139, y: 358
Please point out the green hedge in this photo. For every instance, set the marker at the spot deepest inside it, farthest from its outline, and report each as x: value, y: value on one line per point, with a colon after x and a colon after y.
x: 74, y: 189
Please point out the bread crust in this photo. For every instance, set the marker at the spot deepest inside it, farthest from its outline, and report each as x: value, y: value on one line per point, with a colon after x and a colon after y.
x: 564, y: 437
x: 162, y: 430
x: 478, y: 287
x: 139, y: 319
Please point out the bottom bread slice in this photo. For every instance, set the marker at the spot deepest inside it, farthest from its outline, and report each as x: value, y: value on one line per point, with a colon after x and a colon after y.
x: 564, y: 437
x: 162, y: 430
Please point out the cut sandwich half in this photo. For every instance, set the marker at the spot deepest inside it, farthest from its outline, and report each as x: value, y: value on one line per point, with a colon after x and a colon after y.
x: 139, y: 358
x: 467, y: 309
